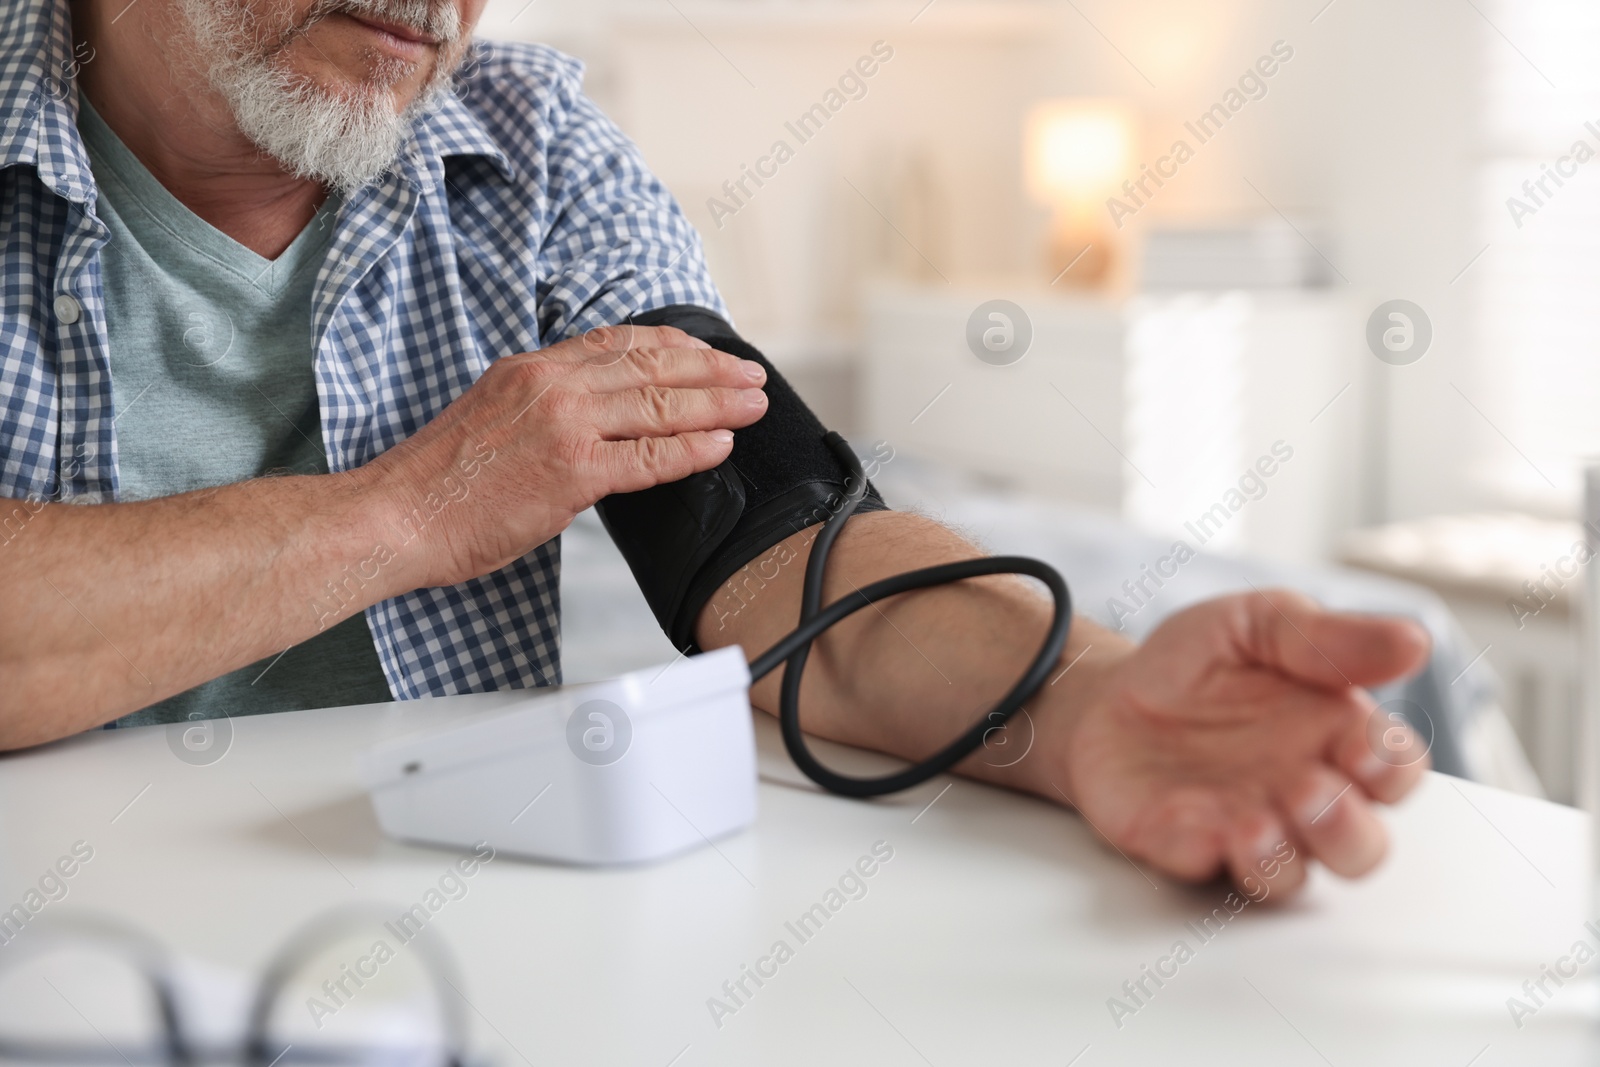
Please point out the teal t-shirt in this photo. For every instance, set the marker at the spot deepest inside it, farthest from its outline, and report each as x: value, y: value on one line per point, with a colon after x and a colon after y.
x: 211, y: 367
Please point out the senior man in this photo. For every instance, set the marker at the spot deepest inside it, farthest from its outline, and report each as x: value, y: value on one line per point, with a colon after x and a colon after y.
x: 320, y: 322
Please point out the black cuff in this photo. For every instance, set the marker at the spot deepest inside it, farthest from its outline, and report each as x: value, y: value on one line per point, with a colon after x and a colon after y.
x: 683, y: 541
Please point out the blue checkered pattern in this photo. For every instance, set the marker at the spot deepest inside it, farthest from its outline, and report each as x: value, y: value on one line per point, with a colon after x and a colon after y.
x: 517, y: 216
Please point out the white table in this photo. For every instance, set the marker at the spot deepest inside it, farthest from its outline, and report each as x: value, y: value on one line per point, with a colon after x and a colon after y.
x: 996, y: 934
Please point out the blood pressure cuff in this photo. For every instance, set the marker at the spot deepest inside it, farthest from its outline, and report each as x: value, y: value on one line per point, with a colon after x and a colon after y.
x: 684, y: 540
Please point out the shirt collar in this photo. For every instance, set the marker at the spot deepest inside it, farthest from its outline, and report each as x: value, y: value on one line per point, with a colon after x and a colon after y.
x: 38, y: 100
x: 452, y: 129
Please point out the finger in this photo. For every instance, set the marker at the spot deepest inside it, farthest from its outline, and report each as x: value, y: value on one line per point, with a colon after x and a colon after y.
x: 625, y: 337
x: 1288, y: 631
x: 1382, y: 753
x: 650, y: 461
x: 1331, y: 816
x: 1264, y: 859
x: 673, y: 368
x: 657, y: 412
x: 608, y: 344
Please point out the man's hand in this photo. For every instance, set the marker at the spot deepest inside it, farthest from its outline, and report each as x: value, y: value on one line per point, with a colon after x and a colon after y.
x: 544, y: 435
x: 1239, y: 725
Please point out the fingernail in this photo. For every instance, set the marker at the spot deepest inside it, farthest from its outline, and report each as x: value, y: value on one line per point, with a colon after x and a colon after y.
x: 754, y: 371
x: 755, y: 399
x: 722, y: 437
x: 1322, y: 804
x: 1267, y: 843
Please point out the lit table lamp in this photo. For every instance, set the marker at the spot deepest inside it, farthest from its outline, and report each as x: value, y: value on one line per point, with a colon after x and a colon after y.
x: 1078, y: 153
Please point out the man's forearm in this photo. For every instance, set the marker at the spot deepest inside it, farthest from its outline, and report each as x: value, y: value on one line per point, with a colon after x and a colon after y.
x: 910, y: 675
x: 112, y: 607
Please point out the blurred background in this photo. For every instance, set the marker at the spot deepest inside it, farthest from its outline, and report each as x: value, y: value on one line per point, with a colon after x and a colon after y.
x: 1308, y: 286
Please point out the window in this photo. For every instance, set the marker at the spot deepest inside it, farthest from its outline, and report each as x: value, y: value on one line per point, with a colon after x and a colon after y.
x: 1537, y: 288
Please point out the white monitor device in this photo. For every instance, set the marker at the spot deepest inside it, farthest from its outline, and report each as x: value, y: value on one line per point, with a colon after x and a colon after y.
x: 628, y: 770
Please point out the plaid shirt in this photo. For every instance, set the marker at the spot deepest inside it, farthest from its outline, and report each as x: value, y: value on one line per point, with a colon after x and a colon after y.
x: 518, y: 215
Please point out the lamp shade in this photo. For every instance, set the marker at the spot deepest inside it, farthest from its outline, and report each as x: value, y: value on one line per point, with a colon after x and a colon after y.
x: 1078, y: 152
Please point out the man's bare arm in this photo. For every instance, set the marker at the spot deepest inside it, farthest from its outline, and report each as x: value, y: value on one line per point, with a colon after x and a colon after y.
x: 913, y: 673
x: 109, y: 608
x: 114, y: 607
x: 1238, y: 728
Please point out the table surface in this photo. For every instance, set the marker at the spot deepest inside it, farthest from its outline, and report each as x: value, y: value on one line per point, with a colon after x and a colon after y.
x: 997, y: 933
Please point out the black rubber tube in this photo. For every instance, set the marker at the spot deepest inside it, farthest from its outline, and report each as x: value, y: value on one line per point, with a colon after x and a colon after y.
x: 815, y: 620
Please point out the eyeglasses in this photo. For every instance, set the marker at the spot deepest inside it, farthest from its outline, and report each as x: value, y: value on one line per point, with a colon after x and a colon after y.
x: 172, y: 1041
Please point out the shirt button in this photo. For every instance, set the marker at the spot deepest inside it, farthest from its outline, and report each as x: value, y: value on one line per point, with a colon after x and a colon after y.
x: 68, y: 310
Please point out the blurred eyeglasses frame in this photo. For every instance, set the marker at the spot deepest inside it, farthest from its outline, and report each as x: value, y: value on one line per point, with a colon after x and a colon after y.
x: 151, y: 962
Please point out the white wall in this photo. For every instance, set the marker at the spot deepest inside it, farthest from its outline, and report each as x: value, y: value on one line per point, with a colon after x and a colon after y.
x: 1370, y: 134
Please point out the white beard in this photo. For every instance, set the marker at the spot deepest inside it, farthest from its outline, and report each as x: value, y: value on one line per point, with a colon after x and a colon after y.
x: 343, y: 140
